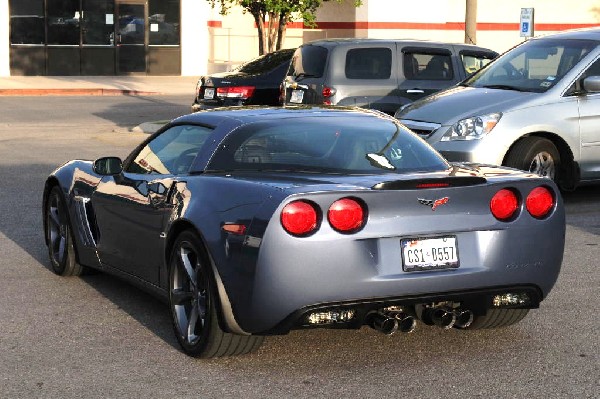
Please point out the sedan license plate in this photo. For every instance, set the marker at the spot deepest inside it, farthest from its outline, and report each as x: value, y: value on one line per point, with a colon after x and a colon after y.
x: 429, y: 253
x: 297, y: 96
x: 209, y: 93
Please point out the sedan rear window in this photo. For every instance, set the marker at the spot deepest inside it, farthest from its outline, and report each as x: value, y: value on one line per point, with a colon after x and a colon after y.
x: 345, y: 145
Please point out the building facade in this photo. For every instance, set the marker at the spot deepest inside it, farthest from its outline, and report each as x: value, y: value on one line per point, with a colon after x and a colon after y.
x: 187, y: 37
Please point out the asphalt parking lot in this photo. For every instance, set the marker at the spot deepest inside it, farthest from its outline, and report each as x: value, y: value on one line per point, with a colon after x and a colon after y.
x: 99, y: 337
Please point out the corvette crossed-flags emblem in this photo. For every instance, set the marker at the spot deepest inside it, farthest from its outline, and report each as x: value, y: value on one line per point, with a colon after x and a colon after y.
x: 433, y: 203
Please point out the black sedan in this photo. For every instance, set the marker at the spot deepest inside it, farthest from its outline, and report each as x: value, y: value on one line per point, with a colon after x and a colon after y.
x: 256, y: 82
x: 257, y: 221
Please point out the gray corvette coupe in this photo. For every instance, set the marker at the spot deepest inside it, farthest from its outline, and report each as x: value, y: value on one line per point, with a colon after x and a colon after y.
x: 257, y: 221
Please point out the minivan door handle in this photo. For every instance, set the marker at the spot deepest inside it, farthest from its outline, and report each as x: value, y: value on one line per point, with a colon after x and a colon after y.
x: 415, y: 91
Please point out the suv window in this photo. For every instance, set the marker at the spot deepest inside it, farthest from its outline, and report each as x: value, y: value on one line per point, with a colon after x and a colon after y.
x: 309, y: 61
x: 369, y: 63
x: 426, y: 66
x: 473, y: 62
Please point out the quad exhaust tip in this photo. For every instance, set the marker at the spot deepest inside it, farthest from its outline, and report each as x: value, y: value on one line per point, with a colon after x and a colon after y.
x: 390, y: 322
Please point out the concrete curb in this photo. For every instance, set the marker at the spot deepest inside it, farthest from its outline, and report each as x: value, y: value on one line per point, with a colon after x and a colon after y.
x: 75, y: 92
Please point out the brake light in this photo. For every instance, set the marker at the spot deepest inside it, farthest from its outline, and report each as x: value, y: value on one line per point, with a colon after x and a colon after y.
x: 346, y: 215
x: 327, y: 93
x: 299, y: 218
x: 539, y: 202
x: 240, y: 92
x: 504, y: 204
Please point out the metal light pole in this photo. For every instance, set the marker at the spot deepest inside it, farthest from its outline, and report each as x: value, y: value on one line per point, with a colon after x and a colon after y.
x: 471, y: 22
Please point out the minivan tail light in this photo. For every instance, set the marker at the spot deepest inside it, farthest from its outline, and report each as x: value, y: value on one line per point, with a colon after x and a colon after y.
x: 240, y: 92
x: 327, y: 93
x: 539, y: 202
x: 300, y: 218
x: 504, y: 204
x: 346, y: 215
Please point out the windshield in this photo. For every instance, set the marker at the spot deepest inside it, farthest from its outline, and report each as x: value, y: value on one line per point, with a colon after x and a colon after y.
x: 334, y: 144
x: 534, y: 66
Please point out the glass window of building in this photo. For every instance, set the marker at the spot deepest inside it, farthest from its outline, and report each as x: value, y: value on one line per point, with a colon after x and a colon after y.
x: 27, y: 21
x: 63, y: 21
x: 97, y: 22
x: 163, y: 22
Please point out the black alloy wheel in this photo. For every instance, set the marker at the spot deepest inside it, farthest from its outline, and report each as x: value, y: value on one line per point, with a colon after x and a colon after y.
x: 59, y: 236
x: 192, y: 299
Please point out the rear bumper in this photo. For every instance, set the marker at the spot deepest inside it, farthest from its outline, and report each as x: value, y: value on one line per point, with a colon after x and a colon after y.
x: 294, y: 275
x: 478, y: 301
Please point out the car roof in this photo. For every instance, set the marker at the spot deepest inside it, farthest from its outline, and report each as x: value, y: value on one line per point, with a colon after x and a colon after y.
x: 414, y: 42
x: 260, y: 113
x: 585, y: 33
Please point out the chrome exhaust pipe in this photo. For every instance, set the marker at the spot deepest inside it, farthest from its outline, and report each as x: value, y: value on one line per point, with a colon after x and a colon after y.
x: 406, y: 323
x: 441, y: 317
x: 383, y: 323
x: 464, y: 318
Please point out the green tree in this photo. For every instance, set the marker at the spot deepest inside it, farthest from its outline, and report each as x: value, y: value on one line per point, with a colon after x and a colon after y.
x: 278, y: 13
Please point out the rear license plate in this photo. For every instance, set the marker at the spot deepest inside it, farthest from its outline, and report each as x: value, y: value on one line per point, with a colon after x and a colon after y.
x: 209, y: 93
x: 429, y: 253
x: 297, y: 96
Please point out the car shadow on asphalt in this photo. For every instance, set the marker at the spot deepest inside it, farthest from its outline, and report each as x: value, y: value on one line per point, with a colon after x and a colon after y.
x: 125, y: 111
x: 582, y: 208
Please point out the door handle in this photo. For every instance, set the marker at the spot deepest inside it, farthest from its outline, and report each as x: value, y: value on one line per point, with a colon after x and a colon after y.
x: 415, y: 91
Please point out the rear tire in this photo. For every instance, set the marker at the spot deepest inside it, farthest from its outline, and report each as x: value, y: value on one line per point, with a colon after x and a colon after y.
x: 59, y: 234
x: 497, y: 318
x: 536, y: 155
x: 192, y: 300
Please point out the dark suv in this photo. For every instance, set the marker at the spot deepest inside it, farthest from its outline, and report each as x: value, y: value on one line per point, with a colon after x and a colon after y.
x: 256, y: 82
x: 378, y: 74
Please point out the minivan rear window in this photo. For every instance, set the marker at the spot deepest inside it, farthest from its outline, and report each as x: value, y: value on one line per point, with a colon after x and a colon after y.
x: 309, y: 61
x: 369, y: 63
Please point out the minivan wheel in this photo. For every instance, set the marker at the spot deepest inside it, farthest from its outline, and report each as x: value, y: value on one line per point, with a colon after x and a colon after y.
x: 536, y: 155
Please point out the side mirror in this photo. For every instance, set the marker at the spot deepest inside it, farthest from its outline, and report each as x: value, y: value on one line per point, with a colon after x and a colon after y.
x: 108, y: 166
x: 591, y: 84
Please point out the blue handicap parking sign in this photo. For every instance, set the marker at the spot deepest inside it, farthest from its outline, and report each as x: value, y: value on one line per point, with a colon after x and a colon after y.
x: 525, y: 27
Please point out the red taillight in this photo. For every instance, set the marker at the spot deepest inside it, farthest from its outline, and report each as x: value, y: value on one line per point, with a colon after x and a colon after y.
x: 539, y: 202
x: 504, y: 204
x: 346, y: 215
x: 299, y: 218
x: 241, y: 92
x: 327, y: 93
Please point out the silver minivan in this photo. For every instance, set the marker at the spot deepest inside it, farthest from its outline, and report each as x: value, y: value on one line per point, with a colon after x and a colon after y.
x: 536, y: 108
x: 377, y: 73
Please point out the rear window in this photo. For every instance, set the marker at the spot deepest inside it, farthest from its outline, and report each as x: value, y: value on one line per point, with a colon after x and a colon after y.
x: 369, y: 63
x: 333, y: 144
x: 309, y: 61
x: 266, y: 63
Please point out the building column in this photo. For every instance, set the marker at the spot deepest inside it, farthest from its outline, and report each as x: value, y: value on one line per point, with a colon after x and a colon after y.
x: 4, y: 39
x: 194, y: 37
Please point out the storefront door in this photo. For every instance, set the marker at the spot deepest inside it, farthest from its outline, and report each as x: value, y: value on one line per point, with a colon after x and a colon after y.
x: 131, y: 37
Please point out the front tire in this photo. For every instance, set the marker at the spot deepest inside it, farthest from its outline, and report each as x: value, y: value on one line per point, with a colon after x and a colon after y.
x: 192, y: 299
x: 59, y: 236
x: 536, y: 155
